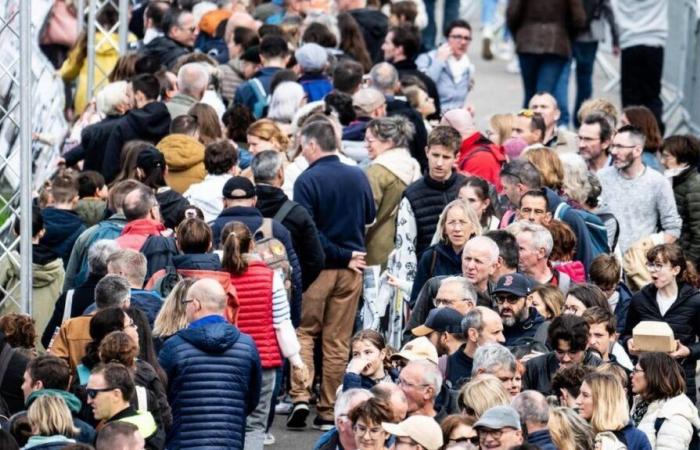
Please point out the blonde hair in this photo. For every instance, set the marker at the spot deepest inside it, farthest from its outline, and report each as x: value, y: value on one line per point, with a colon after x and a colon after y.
x: 502, y: 124
x: 569, y: 431
x: 600, y: 105
x: 548, y: 164
x: 171, y: 317
x: 611, y: 412
x: 552, y: 298
x: 483, y: 392
x: 49, y: 415
x: 468, y: 211
x: 268, y: 130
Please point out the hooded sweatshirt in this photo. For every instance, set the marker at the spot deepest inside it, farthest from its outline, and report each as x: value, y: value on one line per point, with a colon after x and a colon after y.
x: 87, y: 433
x: 184, y: 156
x: 374, y: 25
x: 62, y: 229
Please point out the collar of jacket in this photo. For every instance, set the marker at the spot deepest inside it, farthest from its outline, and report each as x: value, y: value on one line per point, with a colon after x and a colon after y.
x: 405, y: 64
x: 71, y: 400
x: 247, y: 211
x: 207, y: 320
x: 331, y: 158
x: 441, y: 185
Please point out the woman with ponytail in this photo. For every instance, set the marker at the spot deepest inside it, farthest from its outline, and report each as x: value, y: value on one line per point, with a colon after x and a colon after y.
x: 263, y: 313
x: 671, y: 297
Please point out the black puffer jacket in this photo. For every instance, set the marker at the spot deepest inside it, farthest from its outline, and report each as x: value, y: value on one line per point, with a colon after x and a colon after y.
x: 305, y: 240
x: 11, y: 387
x: 686, y: 190
x: 91, y: 149
x: 540, y: 370
x: 165, y: 49
x: 683, y: 317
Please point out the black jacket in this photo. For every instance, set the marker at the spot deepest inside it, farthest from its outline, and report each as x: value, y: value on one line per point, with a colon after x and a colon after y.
x: 683, y: 317
x: 301, y: 226
x: 540, y: 370
x: 91, y: 149
x: 150, y: 123
x: 408, y: 68
x: 396, y: 107
x: 436, y: 260
x: 374, y: 25
x: 11, y: 387
x: 165, y: 49
x: 526, y: 329
x: 171, y: 204
x: 83, y: 297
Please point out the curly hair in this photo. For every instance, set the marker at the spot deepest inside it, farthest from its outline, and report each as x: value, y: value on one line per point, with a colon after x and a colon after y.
x: 19, y: 330
x: 118, y: 347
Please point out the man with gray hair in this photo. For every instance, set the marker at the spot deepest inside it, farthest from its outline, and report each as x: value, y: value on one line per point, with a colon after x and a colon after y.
x: 342, y: 435
x: 480, y: 326
x: 479, y: 260
x: 272, y: 202
x: 70, y: 339
x: 73, y: 302
x: 495, y: 359
x: 421, y: 382
x: 211, y: 366
x: 192, y: 81
x: 385, y: 78
x: 533, y: 409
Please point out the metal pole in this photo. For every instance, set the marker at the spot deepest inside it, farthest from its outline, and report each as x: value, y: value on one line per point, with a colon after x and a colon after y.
x: 123, y: 25
x: 91, y: 49
x: 81, y: 15
x: 25, y: 104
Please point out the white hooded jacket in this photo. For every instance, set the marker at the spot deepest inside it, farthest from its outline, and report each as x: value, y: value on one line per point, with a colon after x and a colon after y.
x: 681, y: 421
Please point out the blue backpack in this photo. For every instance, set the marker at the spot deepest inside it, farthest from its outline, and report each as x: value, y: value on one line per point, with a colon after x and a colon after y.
x: 106, y: 229
x: 214, y: 46
x: 595, y: 226
x: 261, y: 100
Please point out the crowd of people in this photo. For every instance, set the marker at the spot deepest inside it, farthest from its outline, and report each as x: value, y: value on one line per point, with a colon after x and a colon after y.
x: 287, y: 208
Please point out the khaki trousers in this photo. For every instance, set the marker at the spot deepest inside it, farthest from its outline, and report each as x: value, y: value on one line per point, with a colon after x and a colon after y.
x: 328, y: 309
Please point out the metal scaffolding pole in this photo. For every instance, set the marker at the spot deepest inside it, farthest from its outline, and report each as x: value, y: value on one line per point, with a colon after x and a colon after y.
x: 91, y: 49
x: 25, y: 103
x: 123, y: 25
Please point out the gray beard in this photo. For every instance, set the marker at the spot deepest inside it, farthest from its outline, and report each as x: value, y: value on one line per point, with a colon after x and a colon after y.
x: 509, y: 321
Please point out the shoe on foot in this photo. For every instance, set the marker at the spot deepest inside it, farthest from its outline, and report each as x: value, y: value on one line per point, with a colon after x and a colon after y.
x: 486, y: 53
x: 284, y: 407
x: 269, y: 439
x: 322, y: 424
x: 297, y: 417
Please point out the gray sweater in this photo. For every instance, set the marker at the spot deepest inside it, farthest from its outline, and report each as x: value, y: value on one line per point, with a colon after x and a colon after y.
x: 642, y: 22
x: 639, y: 204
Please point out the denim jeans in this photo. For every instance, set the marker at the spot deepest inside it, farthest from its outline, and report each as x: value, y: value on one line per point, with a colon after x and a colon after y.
x: 540, y: 73
x: 430, y: 32
x: 256, y: 422
x: 584, y: 55
x: 488, y: 14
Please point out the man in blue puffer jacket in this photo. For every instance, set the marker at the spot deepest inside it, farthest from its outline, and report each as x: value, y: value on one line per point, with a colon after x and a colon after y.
x: 214, y: 374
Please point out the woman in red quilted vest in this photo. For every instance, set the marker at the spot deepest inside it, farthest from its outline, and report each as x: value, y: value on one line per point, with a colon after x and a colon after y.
x: 264, y: 315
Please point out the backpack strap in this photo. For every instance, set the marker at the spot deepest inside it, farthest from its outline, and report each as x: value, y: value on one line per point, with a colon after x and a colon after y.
x: 564, y: 282
x: 258, y: 89
x: 141, y: 399
x: 69, y: 304
x: 561, y: 210
x: 284, y: 211
x: 83, y: 374
x: 5, y: 357
x: 432, y: 264
x: 265, y: 229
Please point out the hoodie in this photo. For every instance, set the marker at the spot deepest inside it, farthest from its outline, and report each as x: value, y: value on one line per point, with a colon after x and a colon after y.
x: 91, y: 210
x: 480, y: 157
x: 184, y: 156
x: 374, y: 25
x: 214, y: 378
x: 135, y: 233
x: 171, y: 205
x: 150, y: 123
x: 87, y: 432
x: 62, y: 229
x: 165, y: 49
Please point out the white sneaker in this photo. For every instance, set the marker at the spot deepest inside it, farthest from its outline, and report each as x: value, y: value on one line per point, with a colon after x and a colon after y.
x: 513, y: 66
x: 283, y: 408
x: 269, y: 439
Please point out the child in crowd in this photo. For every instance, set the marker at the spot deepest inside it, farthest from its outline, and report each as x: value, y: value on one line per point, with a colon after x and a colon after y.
x: 63, y: 225
x: 92, y: 192
x: 370, y: 361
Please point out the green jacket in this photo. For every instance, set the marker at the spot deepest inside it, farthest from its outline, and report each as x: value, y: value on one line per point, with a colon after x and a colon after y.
x: 91, y: 210
x: 686, y: 189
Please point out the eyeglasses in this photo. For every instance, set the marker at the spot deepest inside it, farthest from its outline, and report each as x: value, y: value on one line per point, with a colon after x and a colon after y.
x: 360, y: 430
x: 187, y: 300
x: 484, y: 432
x: 570, y: 353
x: 92, y: 393
x: 460, y: 37
x: 190, y: 29
x: 448, y: 301
x: 637, y: 370
x: 655, y: 267
x: 403, y: 382
x: 474, y: 440
x: 510, y: 299
x: 619, y: 146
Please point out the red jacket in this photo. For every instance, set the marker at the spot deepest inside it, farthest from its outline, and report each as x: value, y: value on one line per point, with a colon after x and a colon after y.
x: 482, y: 158
x: 137, y: 231
x: 254, y: 289
x: 574, y: 269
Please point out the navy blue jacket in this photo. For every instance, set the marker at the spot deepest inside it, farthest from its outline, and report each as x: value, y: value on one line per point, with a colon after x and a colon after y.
x: 62, y: 229
x: 623, y: 306
x: 633, y: 438
x: 316, y: 85
x: 359, y: 381
x: 542, y: 439
x: 214, y: 378
x: 197, y: 261
x: 447, y: 262
x: 253, y: 219
x: 149, y: 302
x: 526, y: 329
x: 340, y: 201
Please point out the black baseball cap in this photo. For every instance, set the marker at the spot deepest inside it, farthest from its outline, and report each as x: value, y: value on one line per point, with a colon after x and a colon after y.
x: 238, y: 188
x: 150, y: 158
x: 513, y: 283
x: 440, y: 319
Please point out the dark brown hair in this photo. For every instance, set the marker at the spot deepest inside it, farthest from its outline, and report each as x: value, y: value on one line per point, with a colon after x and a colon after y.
x: 237, y: 240
x: 451, y: 422
x: 193, y: 236
x: 564, y: 241
x: 372, y: 411
x: 208, y: 123
x: 570, y: 379
x: 352, y: 42
x: 19, y: 330
x: 663, y: 375
x: 590, y: 295
x: 673, y: 254
x: 406, y: 12
x: 118, y: 347
x: 64, y: 187
x: 596, y: 315
x: 642, y: 118
x: 685, y: 148
x: 445, y: 136
x: 377, y: 340
x: 605, y: 271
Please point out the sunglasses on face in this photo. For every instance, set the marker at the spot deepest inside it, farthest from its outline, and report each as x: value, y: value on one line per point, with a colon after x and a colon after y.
x: 92, y: 393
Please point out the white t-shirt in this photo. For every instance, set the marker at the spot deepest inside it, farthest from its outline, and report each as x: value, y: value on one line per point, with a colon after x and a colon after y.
x: 664, y: 302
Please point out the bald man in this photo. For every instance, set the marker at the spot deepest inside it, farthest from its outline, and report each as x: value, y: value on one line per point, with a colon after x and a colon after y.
x: 214, y: 374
